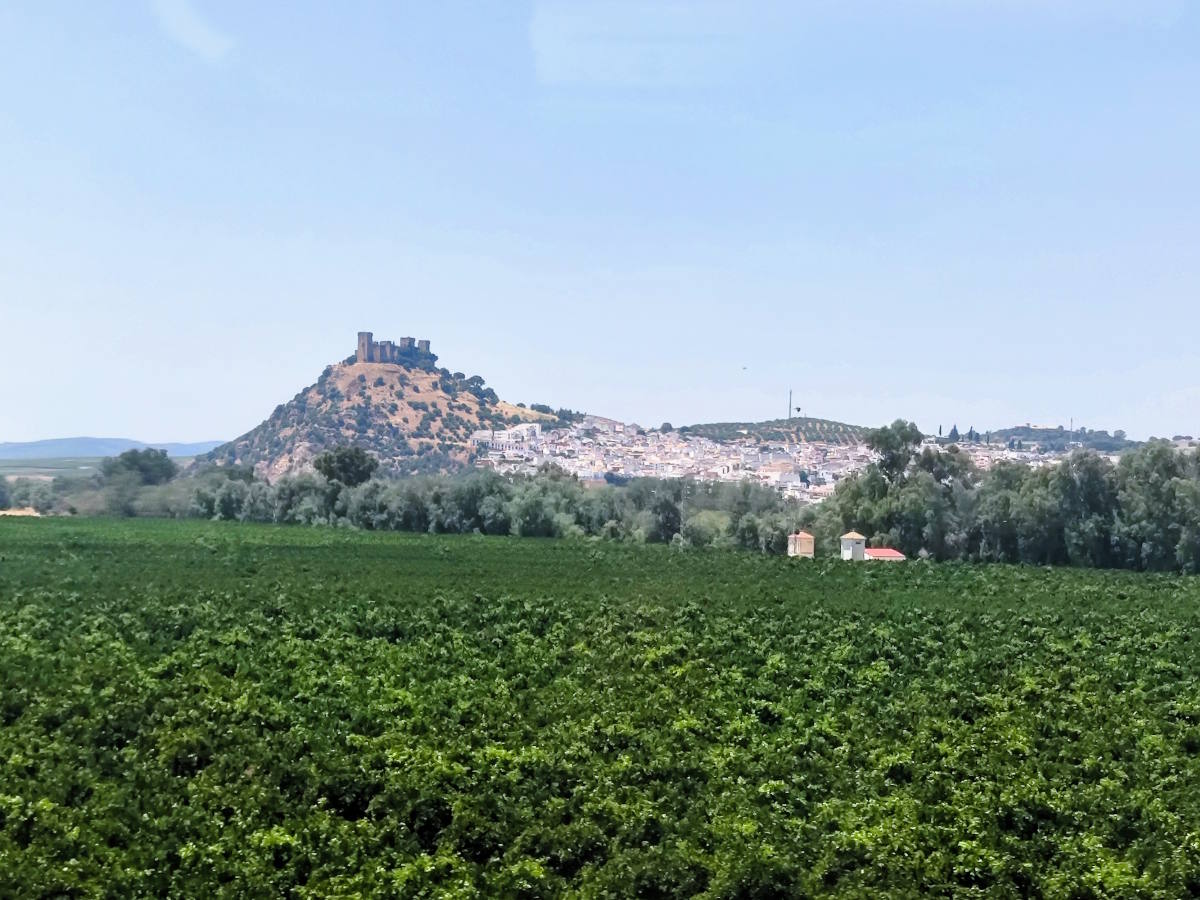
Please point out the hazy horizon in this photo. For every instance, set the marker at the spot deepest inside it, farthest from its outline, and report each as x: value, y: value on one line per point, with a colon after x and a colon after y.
x: 980, y: 214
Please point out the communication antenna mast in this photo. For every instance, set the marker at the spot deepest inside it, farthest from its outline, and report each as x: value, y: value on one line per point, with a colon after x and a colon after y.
x: 789, y: 413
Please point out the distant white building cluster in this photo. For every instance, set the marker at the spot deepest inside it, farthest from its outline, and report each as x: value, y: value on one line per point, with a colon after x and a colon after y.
x: 984, y: 456
x: 596, y: 448
x: 520, y: 439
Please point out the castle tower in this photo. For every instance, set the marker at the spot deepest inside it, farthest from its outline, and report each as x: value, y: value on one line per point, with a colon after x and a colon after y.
x: 365, y: 347
x: 406, y: 343
x: 423, y: 346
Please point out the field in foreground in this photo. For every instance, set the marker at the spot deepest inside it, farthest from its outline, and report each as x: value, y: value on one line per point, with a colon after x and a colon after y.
x: 201, y: 710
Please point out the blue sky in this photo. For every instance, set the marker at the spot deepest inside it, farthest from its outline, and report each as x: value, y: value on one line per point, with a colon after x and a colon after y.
x: 979, y: 212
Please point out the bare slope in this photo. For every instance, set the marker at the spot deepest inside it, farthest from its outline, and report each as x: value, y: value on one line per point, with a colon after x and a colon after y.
x: 412, y: 418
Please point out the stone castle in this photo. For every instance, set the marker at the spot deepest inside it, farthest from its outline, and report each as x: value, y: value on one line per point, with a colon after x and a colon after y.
x: 371, y: 350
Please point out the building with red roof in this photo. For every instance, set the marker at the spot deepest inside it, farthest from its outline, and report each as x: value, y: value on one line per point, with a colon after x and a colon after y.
x: 886, y: 554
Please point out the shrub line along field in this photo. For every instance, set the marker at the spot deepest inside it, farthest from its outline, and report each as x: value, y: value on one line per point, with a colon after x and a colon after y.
x: 209, y: 709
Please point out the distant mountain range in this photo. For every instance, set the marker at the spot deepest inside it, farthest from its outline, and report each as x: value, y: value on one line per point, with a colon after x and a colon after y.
x: 59, y: 448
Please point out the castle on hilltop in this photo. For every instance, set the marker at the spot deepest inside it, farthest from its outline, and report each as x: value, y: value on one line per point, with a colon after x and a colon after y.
x: 407, y: 350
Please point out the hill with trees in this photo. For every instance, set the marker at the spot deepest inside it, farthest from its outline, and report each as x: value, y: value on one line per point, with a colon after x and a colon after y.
x: 411, y: 416
x: 1056, y: 439
x: 795, y: 430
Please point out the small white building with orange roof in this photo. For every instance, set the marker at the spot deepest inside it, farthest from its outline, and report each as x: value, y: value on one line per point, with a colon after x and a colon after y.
x: 854, y: 546
x: 801, y: 544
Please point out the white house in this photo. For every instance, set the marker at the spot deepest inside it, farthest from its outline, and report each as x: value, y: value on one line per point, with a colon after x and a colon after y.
x: 801, y: 544
x: 854, y: 546
x: 525, y: 436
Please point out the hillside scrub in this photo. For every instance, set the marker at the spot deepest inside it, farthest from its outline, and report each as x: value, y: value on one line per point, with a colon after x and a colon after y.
x: 374, y: 406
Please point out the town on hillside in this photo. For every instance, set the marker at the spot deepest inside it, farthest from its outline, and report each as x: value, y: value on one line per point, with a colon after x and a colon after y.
x: 597, y: 449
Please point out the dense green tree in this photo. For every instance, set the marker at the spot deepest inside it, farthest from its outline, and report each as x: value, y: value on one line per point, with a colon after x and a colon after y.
x: 997, y: 530
x: 737, y: 498
x: 230, y: 500
x: 918, y: 516
x: 896, y: 444
x: 121, y: 492
x: 30, y: 492
x: 350, y: 466
x: 149, y: 466
x: 706, y: 527
x: 1153, y: 506
x: 1187, y: 551
x: 667, y: 516
x: 1040, y: 520
x: 947, y: 466
x: 1085, y: 486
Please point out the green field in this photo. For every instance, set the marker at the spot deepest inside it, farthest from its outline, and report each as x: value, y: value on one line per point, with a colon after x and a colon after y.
x: 200, y: 710
x: 66, y: 465
x: 61, y: 465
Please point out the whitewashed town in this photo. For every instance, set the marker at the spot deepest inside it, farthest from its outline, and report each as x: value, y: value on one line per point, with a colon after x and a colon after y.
x: 595, y: 449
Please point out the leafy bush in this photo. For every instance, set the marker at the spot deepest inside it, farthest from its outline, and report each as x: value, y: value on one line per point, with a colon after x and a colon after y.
x: 147, y: 466
x: 350, y: 466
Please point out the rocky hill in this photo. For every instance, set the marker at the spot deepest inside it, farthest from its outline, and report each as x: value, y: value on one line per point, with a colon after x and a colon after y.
x: 792, y: 430
x: 412, y: 416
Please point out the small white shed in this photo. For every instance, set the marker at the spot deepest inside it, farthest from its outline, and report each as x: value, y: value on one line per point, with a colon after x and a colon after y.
x: 854, y: 546
x: 801, y: 544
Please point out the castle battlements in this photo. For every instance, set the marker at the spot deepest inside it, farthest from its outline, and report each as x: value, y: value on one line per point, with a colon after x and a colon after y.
x: 406, y: 350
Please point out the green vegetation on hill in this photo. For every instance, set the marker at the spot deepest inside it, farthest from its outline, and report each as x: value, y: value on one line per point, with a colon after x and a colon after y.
x: 781, y: 430
x: 198, y: 710
x: 1058, y: 439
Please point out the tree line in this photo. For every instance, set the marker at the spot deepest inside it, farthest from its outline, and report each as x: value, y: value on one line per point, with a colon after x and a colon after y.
x: 1142, y: 512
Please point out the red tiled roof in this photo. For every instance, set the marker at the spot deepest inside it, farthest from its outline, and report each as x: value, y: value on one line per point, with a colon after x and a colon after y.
x: 884, y: 553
